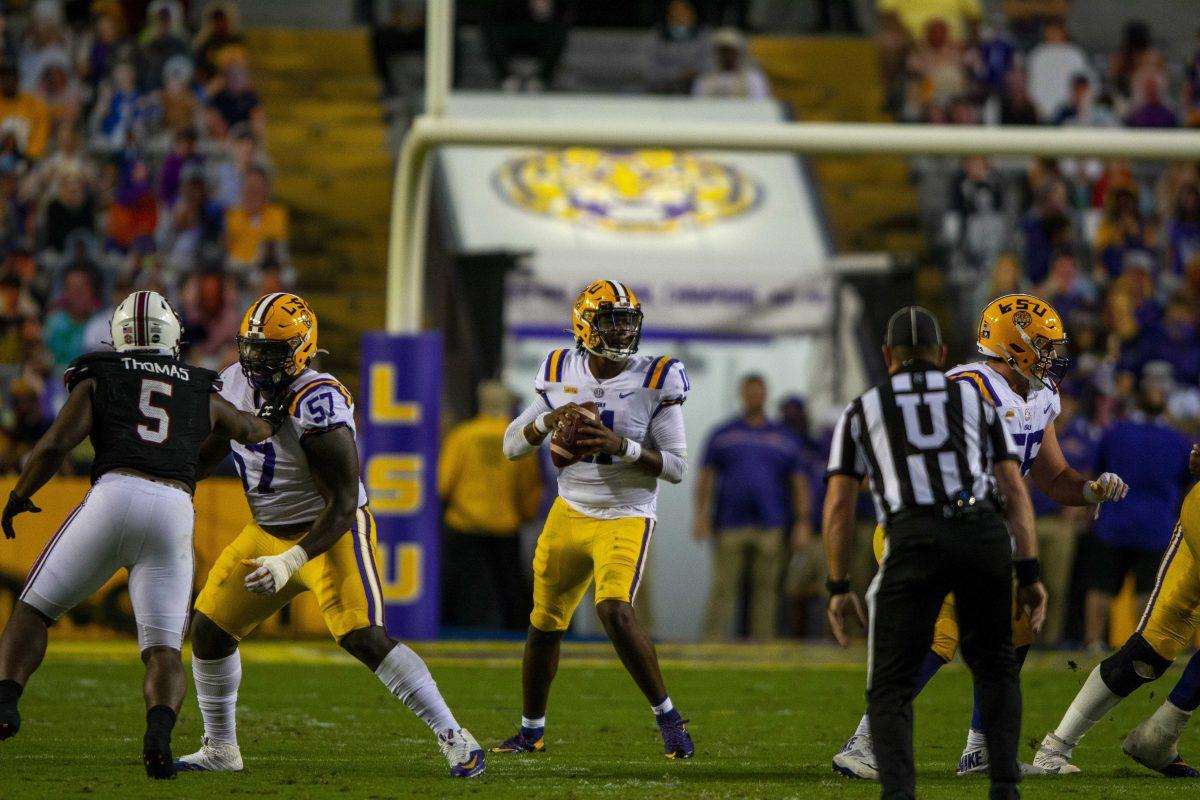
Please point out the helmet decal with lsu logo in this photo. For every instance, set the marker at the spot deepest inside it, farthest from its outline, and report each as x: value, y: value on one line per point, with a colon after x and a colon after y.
x: 277, y: 340
x: 1026, y: 333
x: 607, y: 320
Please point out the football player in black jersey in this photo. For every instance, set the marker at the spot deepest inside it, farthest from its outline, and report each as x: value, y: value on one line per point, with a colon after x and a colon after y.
x: 147, y: 413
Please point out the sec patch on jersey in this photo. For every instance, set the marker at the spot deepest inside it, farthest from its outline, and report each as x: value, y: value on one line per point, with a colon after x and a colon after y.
x: 564, y: 451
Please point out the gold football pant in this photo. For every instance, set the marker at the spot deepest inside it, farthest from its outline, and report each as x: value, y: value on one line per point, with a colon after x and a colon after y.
x: 945, y: 631
x: 1172, y: 613
x: 345, y: 580
x: 575, y: 548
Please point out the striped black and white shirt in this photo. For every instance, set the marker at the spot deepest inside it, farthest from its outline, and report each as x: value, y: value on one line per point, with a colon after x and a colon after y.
x: 922, y: 440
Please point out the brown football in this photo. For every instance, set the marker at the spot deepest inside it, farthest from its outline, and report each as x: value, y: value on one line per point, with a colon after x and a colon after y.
x: 563, y: 450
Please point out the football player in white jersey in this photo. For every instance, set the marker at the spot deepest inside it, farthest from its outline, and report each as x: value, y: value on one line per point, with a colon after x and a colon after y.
x: 1024, y: 345
x: 312, y: 531
x: 601, y: 524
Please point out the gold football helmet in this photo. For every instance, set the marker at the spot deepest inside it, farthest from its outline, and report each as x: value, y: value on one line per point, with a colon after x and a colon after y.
x: 277, y: 340
x: 607, y: 320
x: 1026, y: 333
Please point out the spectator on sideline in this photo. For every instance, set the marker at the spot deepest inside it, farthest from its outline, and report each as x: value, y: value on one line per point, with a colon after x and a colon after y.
x: 23, y: 113
x: 1058, y: 527
x: 733, y: 75
x: 804, y: 580
x: 487, y: 498
x: 163, y: 39
x: 533, y: 28
x: 1149, y: 110
x: 1183, y: 228
x: 938, y: 70
x: 236, y: 104
x: 752, y: 477
x: 680, y: 50
x: 1132, y: 535
x: 255, y: 220
x: 65, y: 327
x: 1081, y: 110
x: 219, y: 42
x: 27, y: 419
x: 1016, y: 106
x: 1051, y: 66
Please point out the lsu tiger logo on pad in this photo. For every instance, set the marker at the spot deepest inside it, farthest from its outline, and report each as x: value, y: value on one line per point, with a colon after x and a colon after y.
x: 627, y: 191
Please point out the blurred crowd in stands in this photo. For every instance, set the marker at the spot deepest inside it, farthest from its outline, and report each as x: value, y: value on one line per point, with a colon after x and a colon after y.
x: 131, y: 157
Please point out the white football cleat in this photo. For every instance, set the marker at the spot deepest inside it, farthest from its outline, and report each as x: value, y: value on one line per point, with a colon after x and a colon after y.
x: 857, y: 759
x: 1157, y: 748
x: 462, y: 752
x: 212, y: 757
x: 974, y: 761
x: 1053, y: 758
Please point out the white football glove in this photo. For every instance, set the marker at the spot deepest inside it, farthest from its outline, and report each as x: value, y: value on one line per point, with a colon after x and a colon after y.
x: 1108, y: 488
x: 273, y: 572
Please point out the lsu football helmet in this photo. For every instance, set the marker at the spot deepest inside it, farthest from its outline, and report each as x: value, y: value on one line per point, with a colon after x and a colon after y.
x: 144, y: 322
x: 607, y: 320
x: 277, y: 340
x: 1026, y: 333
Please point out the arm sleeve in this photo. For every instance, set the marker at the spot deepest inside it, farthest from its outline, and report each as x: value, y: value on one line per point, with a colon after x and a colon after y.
x: 1000, y: 441
x: 515, y: 444
x: 667, y: 436
x: 845, y: 456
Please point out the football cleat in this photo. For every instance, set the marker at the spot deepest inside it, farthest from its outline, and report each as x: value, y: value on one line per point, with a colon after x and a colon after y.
x: 677, y: 742
x: 156, y: 755
x: 462, y: 752
x: 10, y: 721
x: 212, y: 757
x: 520, y: 743
x: 974, y: 761
x: 1053, y: 758
x: 1157, y: 749
x: 856, y: 759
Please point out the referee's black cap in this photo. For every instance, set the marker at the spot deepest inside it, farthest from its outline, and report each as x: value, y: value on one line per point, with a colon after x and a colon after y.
x: 915, y: 327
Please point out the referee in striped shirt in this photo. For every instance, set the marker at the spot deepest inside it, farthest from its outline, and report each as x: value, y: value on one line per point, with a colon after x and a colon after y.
x: 945, y: 477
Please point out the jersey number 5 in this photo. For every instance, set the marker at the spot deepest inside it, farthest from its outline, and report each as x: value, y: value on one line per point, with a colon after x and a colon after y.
x: 153, y: 413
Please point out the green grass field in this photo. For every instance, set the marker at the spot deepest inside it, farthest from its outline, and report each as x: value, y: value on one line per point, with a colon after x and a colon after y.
x: 314, y: 724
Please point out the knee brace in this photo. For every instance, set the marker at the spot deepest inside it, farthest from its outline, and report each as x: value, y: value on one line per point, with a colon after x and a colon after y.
x: 1136, y: 663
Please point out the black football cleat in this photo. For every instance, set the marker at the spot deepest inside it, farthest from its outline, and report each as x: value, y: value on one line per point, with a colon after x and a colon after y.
x: 156, y: 755
x: 10, y: 721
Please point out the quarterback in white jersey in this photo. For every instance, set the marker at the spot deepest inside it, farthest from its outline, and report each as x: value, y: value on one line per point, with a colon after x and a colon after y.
x: 600, y: 526
x: 312, y: 531
x: 1024, y: 344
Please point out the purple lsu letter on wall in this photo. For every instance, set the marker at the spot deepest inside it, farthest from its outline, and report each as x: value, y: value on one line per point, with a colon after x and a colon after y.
x: 398, y: 443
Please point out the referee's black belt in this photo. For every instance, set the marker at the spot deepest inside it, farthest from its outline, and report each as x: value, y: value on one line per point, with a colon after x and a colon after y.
x: 946, y: 511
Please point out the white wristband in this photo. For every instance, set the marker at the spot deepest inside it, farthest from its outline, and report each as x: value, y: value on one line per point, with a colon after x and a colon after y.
x: 294, y: 558
x: 633, y: 451
x: 539, y: 424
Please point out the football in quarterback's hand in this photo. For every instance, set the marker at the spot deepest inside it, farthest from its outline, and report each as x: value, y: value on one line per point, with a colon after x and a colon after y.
x: 563, y: 448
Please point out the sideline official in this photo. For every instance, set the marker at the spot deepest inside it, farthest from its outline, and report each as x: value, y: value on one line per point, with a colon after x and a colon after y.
x: 944, y: 474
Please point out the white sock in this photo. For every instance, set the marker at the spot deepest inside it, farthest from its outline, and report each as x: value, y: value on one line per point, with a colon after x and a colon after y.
x: 1172, y: 719
x: 405, y: 675
x: 976, y: 740
x: 217, y: 682
x: 665, y: 707
x: 864, y: 726
x: 533, y: 724
x: 1090, y: 706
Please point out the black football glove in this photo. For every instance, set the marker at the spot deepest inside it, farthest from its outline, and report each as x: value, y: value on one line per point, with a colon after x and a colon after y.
x: 16, y: 505
x: 275, y: 411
